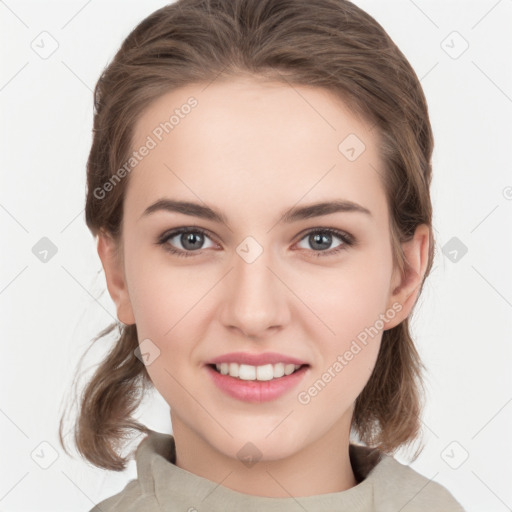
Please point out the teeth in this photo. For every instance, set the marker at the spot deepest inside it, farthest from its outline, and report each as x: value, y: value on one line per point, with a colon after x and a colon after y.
x: 234, y: 369
x: 249, y: 372
x: 246, y: 372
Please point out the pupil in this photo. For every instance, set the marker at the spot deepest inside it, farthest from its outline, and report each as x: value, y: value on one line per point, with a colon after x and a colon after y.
x: 188, y: 240
x: 318, y: 238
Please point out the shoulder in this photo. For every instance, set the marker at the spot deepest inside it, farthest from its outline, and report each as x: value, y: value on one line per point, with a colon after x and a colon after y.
x: 139, y: 495
x: 399, y: 487
x: 130, y: 499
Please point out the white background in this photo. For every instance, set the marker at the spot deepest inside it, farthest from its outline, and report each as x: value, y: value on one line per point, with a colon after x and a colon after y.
x: 51, y: 311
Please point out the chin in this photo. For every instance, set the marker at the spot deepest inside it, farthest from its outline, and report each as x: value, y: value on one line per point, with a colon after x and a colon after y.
x: 261, y: 443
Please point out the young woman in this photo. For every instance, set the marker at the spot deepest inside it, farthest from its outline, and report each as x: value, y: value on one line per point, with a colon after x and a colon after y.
x: 259, y: 186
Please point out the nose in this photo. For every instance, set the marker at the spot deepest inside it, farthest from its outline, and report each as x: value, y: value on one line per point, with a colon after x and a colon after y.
x: 255, y: 298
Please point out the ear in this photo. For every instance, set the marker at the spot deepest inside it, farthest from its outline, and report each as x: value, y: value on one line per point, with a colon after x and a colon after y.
x: 114, y: 274
x: 405, y: 288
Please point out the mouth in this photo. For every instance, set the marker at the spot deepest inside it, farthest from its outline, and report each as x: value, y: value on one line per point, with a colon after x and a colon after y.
x: 256, y: 383
x: 266, y: 372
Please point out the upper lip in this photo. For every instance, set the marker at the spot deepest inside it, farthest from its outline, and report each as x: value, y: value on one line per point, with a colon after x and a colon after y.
x: 255, y: 359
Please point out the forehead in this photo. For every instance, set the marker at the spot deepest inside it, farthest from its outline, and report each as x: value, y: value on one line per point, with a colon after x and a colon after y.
x: 244, y: 141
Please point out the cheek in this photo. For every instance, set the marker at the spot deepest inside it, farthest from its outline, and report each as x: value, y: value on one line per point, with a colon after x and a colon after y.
x: 351, y: 303
x: 347, y: 299
x: 164, y: 305
x: 345, y: 365
x: 161, y: 293
x: 334, y: 390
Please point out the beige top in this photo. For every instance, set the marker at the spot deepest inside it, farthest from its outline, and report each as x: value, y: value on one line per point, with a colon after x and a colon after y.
x: 385, y: 485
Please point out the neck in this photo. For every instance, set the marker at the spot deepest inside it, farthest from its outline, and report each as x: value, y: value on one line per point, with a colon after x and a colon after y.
x: 318, y: 468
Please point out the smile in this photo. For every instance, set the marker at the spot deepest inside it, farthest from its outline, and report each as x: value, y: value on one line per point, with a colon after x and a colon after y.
x: 255, y: 390
x: 250, y: 372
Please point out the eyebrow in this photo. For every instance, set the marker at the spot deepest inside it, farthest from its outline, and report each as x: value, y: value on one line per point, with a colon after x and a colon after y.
x: 293, y: 214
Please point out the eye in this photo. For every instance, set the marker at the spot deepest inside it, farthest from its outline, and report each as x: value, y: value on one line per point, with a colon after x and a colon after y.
x: 319, y: 238
x: 191, y: 239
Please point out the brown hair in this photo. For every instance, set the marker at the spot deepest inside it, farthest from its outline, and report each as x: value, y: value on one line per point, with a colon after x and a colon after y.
x: 331, y: 44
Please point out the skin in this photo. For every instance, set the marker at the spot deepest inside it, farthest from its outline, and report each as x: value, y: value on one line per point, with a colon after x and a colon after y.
x: 252, y: 149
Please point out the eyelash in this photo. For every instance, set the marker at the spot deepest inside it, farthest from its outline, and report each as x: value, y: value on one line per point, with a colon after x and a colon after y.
x: 348, y: 241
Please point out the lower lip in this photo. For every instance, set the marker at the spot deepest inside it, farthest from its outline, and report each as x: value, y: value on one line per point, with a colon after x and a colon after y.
x: 256, y: 390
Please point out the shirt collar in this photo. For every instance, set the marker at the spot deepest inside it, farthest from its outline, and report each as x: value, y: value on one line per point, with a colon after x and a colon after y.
x: 177, y: 487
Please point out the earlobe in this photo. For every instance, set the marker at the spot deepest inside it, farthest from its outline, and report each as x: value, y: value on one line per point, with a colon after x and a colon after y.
x: 405, y: 291
x: 114, y: 274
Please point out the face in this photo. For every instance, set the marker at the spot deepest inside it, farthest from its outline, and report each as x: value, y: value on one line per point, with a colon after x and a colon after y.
x: 316, y: 288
